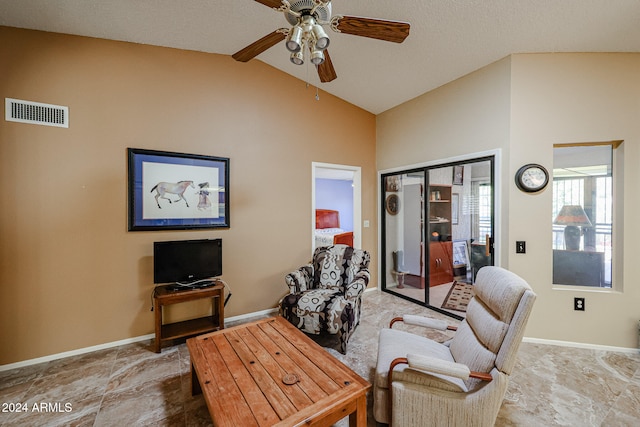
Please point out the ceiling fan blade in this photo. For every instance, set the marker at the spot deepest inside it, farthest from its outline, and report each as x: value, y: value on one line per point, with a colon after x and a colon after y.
x: 259, y: 46
x: 271, y: 3
x: 326, y: 72
x: 391, y: 31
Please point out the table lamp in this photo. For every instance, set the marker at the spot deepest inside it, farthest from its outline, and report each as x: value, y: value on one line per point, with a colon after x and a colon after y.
x: 572, y: 217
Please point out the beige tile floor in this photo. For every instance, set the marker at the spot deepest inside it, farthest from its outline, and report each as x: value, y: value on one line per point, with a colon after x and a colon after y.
x: 437, y: 294
x: 132, y: 385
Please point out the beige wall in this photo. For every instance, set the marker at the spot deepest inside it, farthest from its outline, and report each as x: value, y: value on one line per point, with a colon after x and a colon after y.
x: 468, y: 115
x: 575, y: 98
x: 71, y: 276
x: 523, y: 105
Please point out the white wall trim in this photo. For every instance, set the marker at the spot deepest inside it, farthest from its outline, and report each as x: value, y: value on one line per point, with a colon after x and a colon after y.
x: 357, y: 199
x: 250, y: 315
x: 562, y: 343
x: 74, y: 352
x: 581, y: 345
x: 465, y: 157
x: 114, y: 344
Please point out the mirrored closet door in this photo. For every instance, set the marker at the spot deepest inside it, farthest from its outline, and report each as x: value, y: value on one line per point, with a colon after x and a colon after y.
x: 437, y: 231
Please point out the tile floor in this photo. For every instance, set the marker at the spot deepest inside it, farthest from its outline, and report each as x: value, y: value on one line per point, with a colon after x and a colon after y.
x: 132, y: 385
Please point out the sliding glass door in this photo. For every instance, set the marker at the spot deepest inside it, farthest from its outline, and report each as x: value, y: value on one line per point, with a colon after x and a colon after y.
x: 437, y: 232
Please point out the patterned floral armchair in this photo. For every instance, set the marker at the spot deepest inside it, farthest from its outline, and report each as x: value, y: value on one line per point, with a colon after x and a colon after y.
x: 325, y: 296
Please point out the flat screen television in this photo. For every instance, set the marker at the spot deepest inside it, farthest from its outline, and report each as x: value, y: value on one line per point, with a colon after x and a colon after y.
x: 187, y: 261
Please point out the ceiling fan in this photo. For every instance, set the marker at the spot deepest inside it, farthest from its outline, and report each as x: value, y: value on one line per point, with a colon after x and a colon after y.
x: 307, y: 38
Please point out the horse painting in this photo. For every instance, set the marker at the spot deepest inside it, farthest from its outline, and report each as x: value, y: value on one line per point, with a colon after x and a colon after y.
x: 168, y: 187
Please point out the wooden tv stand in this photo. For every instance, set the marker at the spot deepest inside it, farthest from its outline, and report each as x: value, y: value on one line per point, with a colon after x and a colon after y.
x: 165, y: 295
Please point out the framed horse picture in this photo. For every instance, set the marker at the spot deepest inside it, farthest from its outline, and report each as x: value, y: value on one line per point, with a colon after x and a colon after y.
x: 175, y: 191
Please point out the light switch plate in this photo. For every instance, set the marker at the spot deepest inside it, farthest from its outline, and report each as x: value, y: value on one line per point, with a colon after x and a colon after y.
x: 521, y: 247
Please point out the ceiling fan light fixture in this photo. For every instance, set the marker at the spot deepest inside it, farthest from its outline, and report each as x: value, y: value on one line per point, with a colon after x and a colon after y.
x: 317, y: 57
x: 306, y: 36
x: 294, y: 40
x: 322, y: 40
x: 297, y: 57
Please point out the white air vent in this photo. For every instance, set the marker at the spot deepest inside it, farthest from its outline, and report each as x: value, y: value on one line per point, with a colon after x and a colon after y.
x: 36, y: 113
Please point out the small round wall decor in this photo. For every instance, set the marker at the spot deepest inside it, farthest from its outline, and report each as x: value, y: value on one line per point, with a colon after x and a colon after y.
x: 392, y: 204
x: 532, y: 178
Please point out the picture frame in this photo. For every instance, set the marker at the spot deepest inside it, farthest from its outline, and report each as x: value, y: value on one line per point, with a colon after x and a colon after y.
x: 393, y: 183
x: 458, y: 175
x: 460, y: 260
x: 176, y: 191
x: 461, y: 253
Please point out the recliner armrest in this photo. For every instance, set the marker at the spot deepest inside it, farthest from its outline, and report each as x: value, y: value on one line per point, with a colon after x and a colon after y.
x: 427, y: 322
x: 433, y: 365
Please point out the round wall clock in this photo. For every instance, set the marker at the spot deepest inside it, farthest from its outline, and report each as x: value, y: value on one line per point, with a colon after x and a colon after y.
x: 392, y: 204
x: 532, y: 178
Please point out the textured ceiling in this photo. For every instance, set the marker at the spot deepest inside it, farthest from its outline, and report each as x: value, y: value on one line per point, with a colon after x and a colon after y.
x: 448, y: 39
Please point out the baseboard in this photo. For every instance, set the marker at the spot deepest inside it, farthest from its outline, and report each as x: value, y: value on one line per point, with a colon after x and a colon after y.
x: 581, y: 345
x: 568, y: 343
x: 250, y: 315
x: 84, y: 350
x: 74, y: 352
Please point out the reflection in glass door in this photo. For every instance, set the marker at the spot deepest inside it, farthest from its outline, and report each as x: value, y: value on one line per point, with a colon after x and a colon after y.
x: 403, y: 228
x: 437, y: 232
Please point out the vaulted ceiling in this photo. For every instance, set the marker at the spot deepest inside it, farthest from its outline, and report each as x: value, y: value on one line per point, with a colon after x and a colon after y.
x: 448, y: 38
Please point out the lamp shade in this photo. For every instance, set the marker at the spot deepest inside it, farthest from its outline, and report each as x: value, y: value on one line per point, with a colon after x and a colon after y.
x: 572, y: 215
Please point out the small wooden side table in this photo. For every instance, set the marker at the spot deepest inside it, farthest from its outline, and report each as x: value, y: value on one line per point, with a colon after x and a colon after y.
x: 165, y: 295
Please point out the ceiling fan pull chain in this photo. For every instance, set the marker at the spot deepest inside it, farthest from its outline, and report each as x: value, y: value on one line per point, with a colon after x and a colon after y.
x: 317, y: 94
x: 306, y: 79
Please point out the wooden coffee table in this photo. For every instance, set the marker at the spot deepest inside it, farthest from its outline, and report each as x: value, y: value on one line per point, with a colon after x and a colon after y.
x: 267, y: 373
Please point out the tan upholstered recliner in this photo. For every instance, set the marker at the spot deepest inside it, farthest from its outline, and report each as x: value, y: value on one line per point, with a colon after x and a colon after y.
x: 463, y: 381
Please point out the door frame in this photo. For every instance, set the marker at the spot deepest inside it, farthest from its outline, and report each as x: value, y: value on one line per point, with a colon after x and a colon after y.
x: 497, y: 198
x: 357, y: 198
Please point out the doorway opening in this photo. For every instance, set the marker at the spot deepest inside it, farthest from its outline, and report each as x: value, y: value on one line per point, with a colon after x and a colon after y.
x: 336, y: 188
x: 437, y: 231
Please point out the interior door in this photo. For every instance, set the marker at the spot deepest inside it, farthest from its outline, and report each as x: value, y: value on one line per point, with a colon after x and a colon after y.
x: 337, y: 187
x: 437, y: 230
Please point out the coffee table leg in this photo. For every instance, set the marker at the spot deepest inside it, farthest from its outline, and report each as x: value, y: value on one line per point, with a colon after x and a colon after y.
x: 359, y: 417
x: 195, y: 382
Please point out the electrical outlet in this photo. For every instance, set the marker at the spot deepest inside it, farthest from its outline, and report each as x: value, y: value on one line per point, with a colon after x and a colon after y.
x: 578, y: 304
x: 521, y: 247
